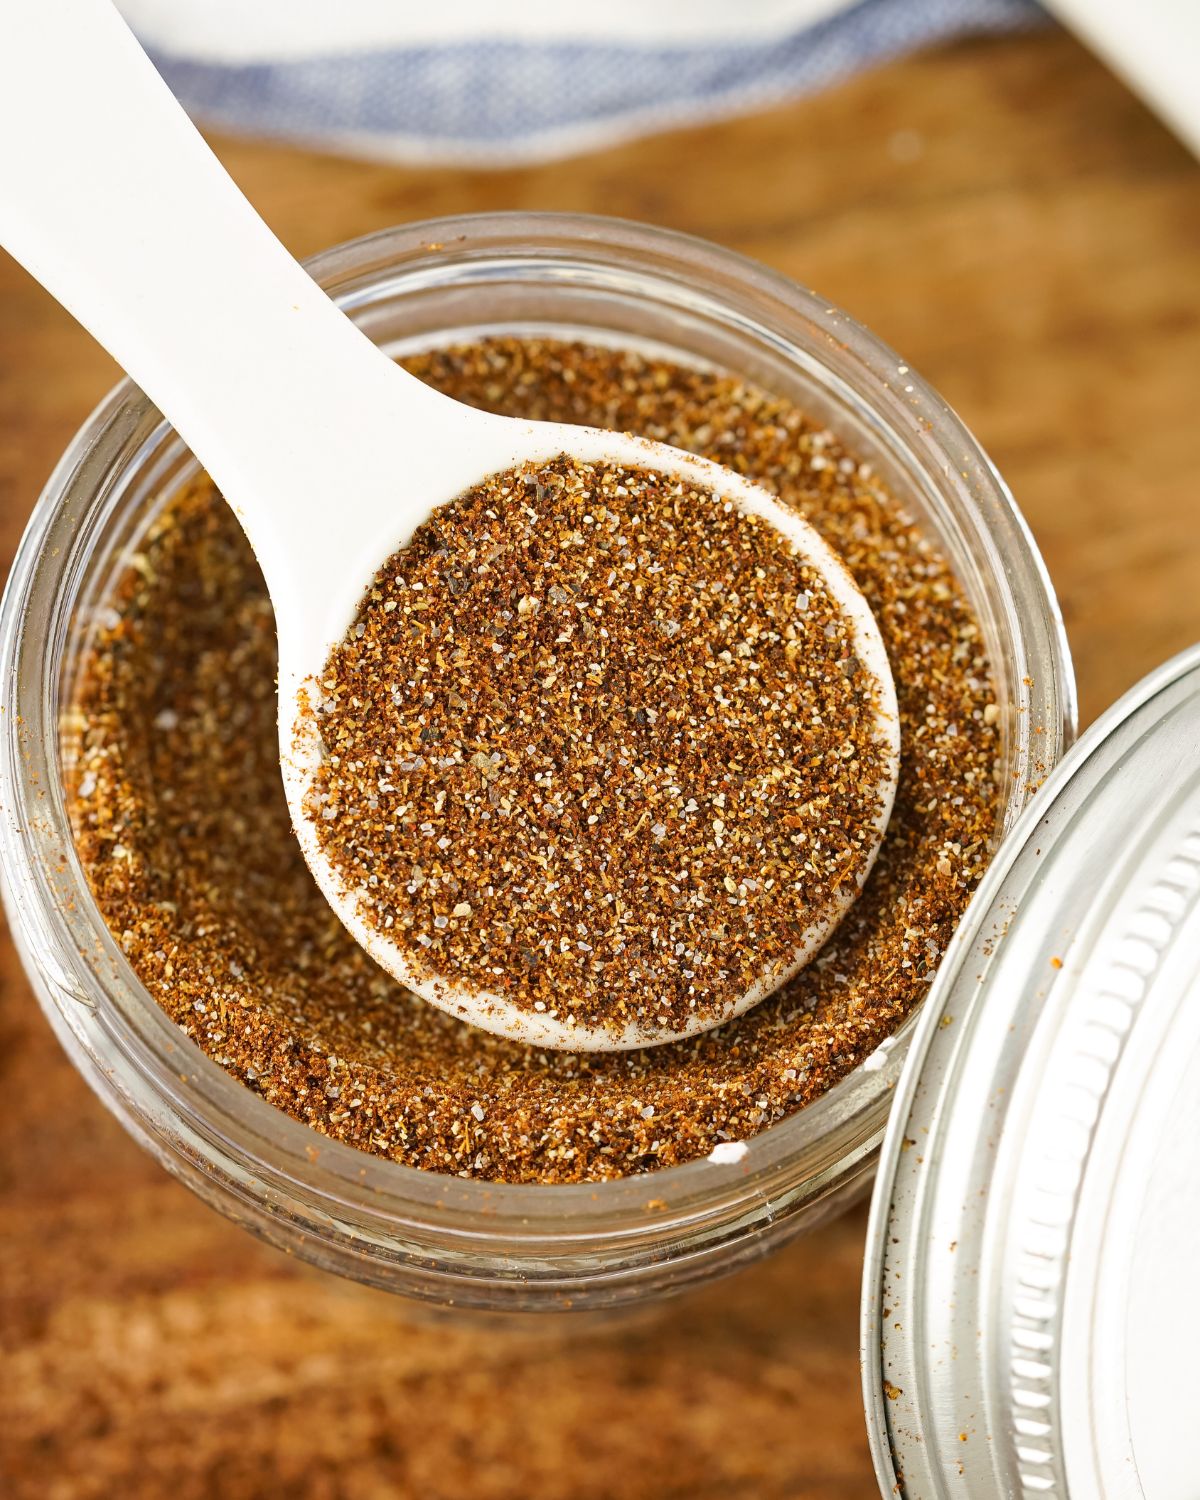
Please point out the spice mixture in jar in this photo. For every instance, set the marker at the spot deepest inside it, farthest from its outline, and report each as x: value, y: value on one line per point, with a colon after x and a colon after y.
x: 599, y: 748
x: 182, y: 828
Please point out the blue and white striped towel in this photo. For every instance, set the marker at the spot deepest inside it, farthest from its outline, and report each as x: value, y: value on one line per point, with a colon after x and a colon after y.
x: 489, y: 82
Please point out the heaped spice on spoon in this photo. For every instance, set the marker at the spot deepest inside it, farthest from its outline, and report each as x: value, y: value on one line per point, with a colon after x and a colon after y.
x: 599, y: 744
x: 181, y: 824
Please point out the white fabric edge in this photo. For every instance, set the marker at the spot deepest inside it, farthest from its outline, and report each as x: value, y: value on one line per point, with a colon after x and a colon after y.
x: 234, y: 32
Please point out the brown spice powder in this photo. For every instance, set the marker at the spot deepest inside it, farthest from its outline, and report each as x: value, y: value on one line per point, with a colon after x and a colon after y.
x: 598, y: 747
x: 183, y: 830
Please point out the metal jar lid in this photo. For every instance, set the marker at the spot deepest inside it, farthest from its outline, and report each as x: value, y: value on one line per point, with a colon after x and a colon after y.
x: 1030, y: 1303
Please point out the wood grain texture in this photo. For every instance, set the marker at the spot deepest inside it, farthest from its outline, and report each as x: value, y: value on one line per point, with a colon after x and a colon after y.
x: 1009, y: 217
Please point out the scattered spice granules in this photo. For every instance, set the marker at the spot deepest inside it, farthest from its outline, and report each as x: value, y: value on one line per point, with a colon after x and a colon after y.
x: 182, y: 828
x: 598, y: 746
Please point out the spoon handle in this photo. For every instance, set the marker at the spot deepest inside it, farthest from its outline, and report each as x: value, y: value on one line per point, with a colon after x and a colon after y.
x: 110, y: 197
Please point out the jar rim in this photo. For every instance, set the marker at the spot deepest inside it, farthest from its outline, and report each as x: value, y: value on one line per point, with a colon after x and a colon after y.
x: 448, y: 1238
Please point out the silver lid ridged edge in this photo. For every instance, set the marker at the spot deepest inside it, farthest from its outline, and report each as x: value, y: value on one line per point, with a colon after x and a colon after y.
x: 1091, y: 906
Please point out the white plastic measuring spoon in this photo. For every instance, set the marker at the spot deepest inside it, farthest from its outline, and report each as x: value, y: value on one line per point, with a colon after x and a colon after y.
x: 330, y: 454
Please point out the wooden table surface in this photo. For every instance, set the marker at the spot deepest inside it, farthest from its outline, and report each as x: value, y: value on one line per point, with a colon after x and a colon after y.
x: 1009, y: 217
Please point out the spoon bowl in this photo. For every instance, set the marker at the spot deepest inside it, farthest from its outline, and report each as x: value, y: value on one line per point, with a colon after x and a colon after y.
x: 521, y: 443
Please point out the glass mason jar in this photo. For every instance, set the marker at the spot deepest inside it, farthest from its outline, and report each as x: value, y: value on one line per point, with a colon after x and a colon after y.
x: 445, y: 1239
